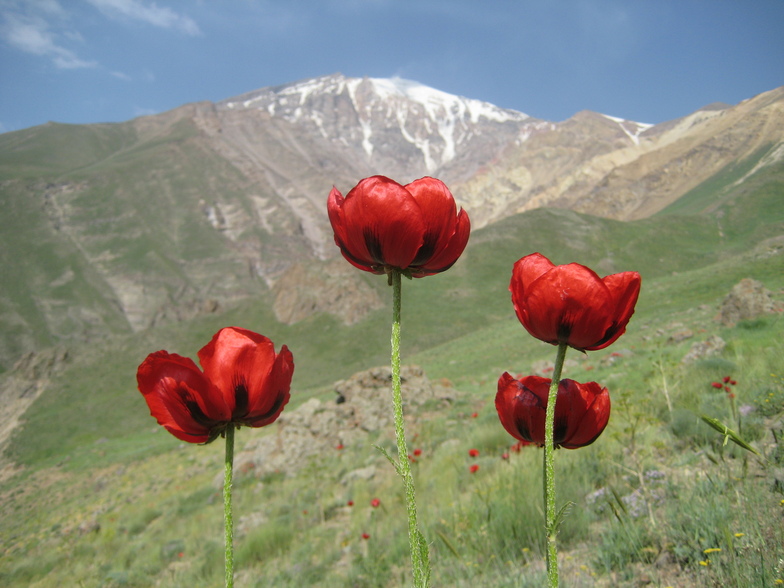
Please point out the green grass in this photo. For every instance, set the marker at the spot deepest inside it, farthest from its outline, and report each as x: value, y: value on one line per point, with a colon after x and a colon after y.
x: 107, y: 498
x: 155, y: 499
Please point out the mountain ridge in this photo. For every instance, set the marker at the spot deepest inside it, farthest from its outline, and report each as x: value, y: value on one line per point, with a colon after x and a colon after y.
x: 118, y: 227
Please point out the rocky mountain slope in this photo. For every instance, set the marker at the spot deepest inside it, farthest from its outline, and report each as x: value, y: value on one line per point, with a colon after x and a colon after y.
x: 618, y: 169
x: 118, y: 227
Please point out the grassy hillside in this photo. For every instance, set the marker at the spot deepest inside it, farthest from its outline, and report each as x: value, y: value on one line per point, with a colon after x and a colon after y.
x: 103, y: 230
x: 105, y: 498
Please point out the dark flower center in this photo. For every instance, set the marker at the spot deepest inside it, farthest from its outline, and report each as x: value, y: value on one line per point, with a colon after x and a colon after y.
x: 240, y: 398
x: 195, y: 410
x: 426, y: 250
x: 373, y: 246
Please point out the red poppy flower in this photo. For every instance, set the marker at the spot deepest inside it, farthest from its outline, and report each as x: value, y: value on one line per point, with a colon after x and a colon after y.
x: 474, y: 468
x: 581, y: 410
x: 417, y: 452
x: 381, y: 225
x: 571, y: 304
x: 717, y: 385
x: 473, y: 452
x: 365, y: 536
x: 518, y: 447
x: 244, y: 382
x: 375, y: 503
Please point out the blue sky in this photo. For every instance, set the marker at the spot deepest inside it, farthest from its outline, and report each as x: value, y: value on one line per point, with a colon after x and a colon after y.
x: 81, y: 61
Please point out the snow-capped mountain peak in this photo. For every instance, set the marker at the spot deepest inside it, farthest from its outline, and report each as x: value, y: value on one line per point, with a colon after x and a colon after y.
x: 384, y: 115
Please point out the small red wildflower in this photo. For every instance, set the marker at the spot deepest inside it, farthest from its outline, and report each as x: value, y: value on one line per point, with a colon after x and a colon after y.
x: 518, y: 446
x: 474, y: 468
x: 365, y: 536
x: 417, y: 452
x: 504, y: 455
x: 339, y: 446
x: 733, y: 382
x: 473, y: 452
x: 726, y: 379
x: 350, y: 503
x: 375, y: 503
x: 717, y: 385
x: 474, y: 415
x: 411, y: 458
x: 731, y: 395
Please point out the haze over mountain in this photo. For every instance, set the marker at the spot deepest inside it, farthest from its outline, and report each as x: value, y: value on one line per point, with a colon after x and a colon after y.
x: 113, y: 228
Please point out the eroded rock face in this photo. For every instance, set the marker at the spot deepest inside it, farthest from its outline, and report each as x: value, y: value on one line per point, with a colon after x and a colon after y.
x: 363, y: 405
x: 336, y: 288
x: 24, y: 383
x: 748, y: 299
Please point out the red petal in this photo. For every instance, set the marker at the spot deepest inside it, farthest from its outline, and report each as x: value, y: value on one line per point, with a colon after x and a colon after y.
x: 180, y: 397
x: 521, y: 406
x: 243, y: 363
x: 237, y: 361
x: 568, y: 304
x: 378, y: 223
x: 588, y: 414
x: 624, y: 289
x: 454, y: 248
x: 524, y: 272
x: 275, y: 393
x: 439, y: 213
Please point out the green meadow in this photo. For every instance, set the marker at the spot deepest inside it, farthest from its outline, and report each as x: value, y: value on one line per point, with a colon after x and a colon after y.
x: 104, y: 497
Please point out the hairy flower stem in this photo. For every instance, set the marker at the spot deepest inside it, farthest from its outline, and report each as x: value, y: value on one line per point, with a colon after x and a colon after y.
x: 551, y: 526
x: 419, y: 551
x: 228, y: 521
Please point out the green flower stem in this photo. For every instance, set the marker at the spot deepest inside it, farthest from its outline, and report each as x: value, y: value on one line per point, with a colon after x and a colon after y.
x: 228, y: 521
x: 549, y: 471
x: 419, y: 551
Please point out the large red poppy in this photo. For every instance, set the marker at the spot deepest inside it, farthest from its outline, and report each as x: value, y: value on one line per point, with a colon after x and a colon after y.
x: 381, y: 225
x: 581, y: 410
x: 570, y: 303
x: 244, y: 382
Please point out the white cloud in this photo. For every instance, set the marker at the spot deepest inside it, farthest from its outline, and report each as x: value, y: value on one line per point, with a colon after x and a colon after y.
x: 152, y: 14
x: 29, y: 30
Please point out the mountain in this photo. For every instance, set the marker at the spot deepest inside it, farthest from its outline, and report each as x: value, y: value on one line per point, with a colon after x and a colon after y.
x: 625, y: 170
x: 114, y: 228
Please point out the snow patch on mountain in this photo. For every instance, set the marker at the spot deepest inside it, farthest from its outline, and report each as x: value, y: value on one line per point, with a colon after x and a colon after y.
x: 434, y: 122
x: 631, y: 128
